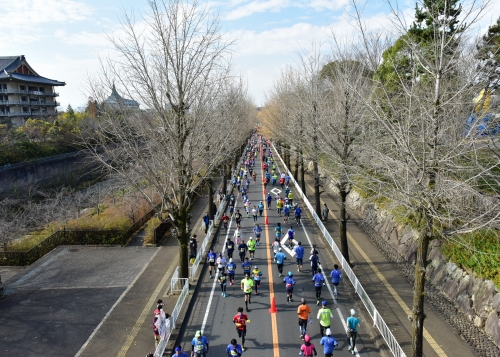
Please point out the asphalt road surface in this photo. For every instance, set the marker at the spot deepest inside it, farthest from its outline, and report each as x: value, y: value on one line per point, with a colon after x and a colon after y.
x: 272, y: 334
x: 59, y: 301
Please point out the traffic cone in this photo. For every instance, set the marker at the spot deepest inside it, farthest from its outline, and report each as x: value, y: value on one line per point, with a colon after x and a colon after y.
x: 266, y: 221
x: 273, y: 308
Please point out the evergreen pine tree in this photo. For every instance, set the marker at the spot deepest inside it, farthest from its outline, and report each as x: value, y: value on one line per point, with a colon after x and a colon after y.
x: 489, y: 56
x: 432, y: 19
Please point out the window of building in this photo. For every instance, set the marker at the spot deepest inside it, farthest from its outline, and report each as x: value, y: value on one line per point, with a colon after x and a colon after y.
x: 4, y: 85
x: 22, y: 87
x: 26, y: 110
x: 24, y: 98
x: 41, y: 89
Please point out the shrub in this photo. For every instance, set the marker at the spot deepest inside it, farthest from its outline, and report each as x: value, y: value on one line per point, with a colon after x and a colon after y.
x: 477, y: 252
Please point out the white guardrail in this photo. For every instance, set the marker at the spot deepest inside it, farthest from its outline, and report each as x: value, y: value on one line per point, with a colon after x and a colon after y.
x: 372, y: 310
x: 162, y: 345
x: 176, y: 282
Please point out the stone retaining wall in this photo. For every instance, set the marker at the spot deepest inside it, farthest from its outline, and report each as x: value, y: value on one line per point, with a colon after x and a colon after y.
x: 478, y: 299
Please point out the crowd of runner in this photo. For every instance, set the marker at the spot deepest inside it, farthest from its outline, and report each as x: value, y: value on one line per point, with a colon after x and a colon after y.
x: 227, y: 268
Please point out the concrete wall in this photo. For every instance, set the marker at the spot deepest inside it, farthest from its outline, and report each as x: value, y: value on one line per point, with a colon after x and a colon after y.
x: 478, y: 298
x: 65, y: 169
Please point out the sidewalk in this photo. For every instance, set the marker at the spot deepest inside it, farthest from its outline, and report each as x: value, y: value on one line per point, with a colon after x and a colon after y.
x: 378, y: 276
x: 128, y: 331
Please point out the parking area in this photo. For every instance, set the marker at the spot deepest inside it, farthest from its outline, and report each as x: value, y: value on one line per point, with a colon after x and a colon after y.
x: 52, y: 307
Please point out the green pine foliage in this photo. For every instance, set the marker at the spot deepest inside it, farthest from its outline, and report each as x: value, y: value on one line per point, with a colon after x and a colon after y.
x: 432, y: 19
x: 488, y: 54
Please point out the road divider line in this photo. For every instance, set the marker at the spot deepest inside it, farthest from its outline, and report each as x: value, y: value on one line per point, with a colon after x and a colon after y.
x: 274, y: 323
x: 205, y: 318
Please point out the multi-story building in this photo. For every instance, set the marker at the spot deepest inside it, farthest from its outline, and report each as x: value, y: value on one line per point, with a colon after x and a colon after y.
x: 24, y: 93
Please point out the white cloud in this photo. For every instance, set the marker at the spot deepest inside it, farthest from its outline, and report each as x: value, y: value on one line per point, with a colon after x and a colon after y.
x: 22, y: 13
x: 84, y: 38
x: 244, y: 9
x: 256, y: 7
x: 277, y: 41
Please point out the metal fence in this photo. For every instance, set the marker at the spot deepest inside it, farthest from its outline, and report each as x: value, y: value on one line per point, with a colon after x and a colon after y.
x: 176, y: 282
x: 203, y: 246
x: 162, y: 345
x: 370, y: 307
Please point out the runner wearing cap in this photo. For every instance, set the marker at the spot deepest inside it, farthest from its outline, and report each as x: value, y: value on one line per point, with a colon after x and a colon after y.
x: 179, y: 353
x: 211, y: 257
x: 290, y: 282
x: 199, y: 345
x: 251, y: 248
x: 352, y: 324
x: 324, y: 316
x: 328, y: 343
x: 234, y: 349
x: 260, y: 207
x: 280, y: 259
x: 307, y: 349
x: 231, y: 270
x: 256, y: 273
x: 240, y: 321
x: 257, y: 230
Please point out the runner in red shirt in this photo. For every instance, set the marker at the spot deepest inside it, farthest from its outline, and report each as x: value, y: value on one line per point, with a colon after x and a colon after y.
x: 240, y: 320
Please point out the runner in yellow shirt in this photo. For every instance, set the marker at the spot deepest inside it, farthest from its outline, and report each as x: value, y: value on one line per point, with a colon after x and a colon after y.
x: 247, y: 287
x: 251, y: 248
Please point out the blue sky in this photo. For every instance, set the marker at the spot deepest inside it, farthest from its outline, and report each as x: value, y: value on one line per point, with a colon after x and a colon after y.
x: 62, y: 39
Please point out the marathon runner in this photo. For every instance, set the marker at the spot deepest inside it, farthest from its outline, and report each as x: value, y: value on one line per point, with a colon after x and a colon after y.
x: 247, y: 287
x: 240, y: 321
x: 231, y: 270
x: 256, y: 278
x: 290, y: 282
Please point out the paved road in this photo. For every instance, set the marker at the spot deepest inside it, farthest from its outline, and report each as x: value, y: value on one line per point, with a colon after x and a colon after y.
x: 213, y: 313
x: 57, y: 303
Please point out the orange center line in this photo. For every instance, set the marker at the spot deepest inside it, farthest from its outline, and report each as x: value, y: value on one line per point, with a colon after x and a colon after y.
x: 274, y: 324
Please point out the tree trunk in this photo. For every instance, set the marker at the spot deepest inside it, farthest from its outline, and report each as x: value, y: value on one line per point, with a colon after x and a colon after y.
x: 226, y: 177
x: 296, y: 168
x: 302, y: 172
x: 344, y: 248
x: 211, y: 210
x: 317, y: 197
x: 287, y: 157
x: 417, y: 326
x: 183, y: 240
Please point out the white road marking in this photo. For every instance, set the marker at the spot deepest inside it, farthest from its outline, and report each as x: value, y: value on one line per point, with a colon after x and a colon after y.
x: 327, y: 284
x: 276, y: 191
x: 114, y: 305
x: 205, y: 318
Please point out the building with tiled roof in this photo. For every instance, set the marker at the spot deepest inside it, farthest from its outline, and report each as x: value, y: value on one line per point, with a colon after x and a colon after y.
x: 116, y: 101
x: 24, y: 93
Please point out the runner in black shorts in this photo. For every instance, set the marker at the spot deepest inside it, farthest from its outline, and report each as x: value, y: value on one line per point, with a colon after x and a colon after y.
x: 237, y: 218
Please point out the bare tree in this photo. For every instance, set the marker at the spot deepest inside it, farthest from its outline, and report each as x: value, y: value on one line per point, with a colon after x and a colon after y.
x: 177, y: 66
x: 424, y: 163
x: 342, y: 128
